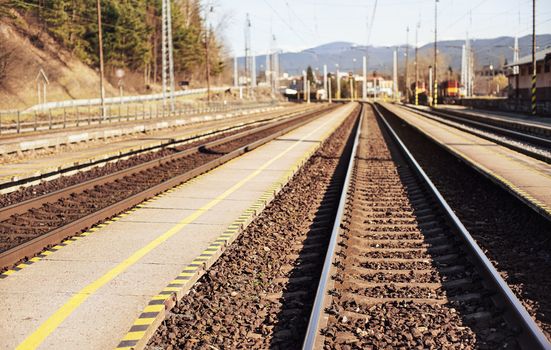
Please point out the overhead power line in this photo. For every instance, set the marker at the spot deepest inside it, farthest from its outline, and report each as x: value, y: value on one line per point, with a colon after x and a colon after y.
x: 282, y: 19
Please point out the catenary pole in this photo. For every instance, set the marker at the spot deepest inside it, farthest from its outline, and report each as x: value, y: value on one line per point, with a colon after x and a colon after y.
x: 534, y: 63
x: 406, y: 78
x: 101, y: 69
x: 170, y: 53
x: 435, y: 89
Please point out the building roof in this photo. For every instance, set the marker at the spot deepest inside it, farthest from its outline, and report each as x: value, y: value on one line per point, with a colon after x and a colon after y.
x: 540, y: 55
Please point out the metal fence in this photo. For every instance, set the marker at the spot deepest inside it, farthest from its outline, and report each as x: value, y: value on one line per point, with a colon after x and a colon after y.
x: 16, y: 122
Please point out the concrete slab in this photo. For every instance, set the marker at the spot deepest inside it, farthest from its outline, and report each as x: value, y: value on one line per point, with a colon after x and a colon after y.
x: 527, y: 178
x: 87, y: 294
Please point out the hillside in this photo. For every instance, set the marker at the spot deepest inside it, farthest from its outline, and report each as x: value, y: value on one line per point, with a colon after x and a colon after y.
x: 28, y: 53
x: 61, y: 37
x: 487, y: 51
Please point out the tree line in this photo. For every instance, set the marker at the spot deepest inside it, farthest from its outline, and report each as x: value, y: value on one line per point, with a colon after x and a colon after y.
x: 131, y: 33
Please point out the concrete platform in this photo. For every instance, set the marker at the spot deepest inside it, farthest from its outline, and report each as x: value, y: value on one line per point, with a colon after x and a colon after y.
x: 527, y: 178
x: 524, y: 120
x: 87, y: 294
x: 32, y: 168
x: 13, y: 143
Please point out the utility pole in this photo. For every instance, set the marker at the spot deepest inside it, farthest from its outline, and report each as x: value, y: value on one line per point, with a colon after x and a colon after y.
x: 516, y: 50
x: 268, y: 70
x: 395, y: 76
x: 207, y: 49
x: 338, y: 83
x: 325, y: 78
x: 163, y: 53
x: 248, y: 62
x: 101, y: 69
x: 417, y: 63
x: 364, y: 83
x: 170, y: 53
x: 167, y: 53
x: 253, y: 70
x: 435, y: 90
x: 275, y: 64
x: 534, y: 71
x: 431, y: 92
x: 406, y: 90
x: 329, y: 92
x: 304, y: 84
x: 351, y: 80
x: 235, y: 74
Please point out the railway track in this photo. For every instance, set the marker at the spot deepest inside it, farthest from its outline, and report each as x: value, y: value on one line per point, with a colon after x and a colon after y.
x: 258, y: 294
x: 28, y: 186
x: 402, y: 271
x: 29, y: 226
x: 534, y: 141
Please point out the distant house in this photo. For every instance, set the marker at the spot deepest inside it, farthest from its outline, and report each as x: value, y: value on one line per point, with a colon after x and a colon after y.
x: 520, y: 84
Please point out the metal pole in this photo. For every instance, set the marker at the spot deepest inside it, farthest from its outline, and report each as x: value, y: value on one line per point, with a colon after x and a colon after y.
x: 435, y: 92
x: 430, y: 82
x: 330, y: 90
x: 338, y: 84
x: 163, y: 52
x: 534, y: 63
x: 395, y: 76
x: 304, y: 84
x: 416, y: 65
x: 235, y: 76
x: 207, y: 63
x: 364, y: 83
x: 101, y: 72
x: 351, y: 82
x: 325, y: 78
x: 406, y: 79
x: 170, y: 53
x: 18, y: 122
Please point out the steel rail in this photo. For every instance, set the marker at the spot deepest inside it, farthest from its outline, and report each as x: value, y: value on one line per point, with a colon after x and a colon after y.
x: 21, y: 207
x: 499, y: 119
x: 515, y: 135
x: 531, y: 336
x: 29, y: 248
x: 271, y: 116
x: 319, y: 302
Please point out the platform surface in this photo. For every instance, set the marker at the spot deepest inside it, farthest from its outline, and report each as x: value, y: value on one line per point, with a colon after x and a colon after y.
x: 30, y: 167
x: 87, y: 294
x: 501, y: 115
x: 527, y: 178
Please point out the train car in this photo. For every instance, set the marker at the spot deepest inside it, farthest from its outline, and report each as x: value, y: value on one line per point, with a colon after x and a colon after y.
x: 422, y: 94
x: 449, y: 92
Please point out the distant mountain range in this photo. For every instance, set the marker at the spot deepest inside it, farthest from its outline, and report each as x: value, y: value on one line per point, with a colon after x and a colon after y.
x: 487, y: 51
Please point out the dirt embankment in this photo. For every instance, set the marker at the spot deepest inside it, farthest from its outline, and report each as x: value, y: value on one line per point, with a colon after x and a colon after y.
x: 25, y: 49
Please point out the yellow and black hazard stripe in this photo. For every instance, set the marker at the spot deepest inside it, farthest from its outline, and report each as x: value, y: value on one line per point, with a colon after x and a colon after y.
x: 534, y: 102
x: 68, y: 241
x: 154, y: 313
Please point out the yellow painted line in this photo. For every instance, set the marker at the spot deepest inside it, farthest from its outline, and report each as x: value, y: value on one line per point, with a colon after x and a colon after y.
x: 51, y: 324
x: 233, y: 233
x: 486, y: 170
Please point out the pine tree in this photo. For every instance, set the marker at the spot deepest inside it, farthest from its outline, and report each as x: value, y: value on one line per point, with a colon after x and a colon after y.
x: 131, y: 32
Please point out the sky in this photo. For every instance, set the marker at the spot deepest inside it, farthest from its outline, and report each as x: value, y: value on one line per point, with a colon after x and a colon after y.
x: 302, y: 24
